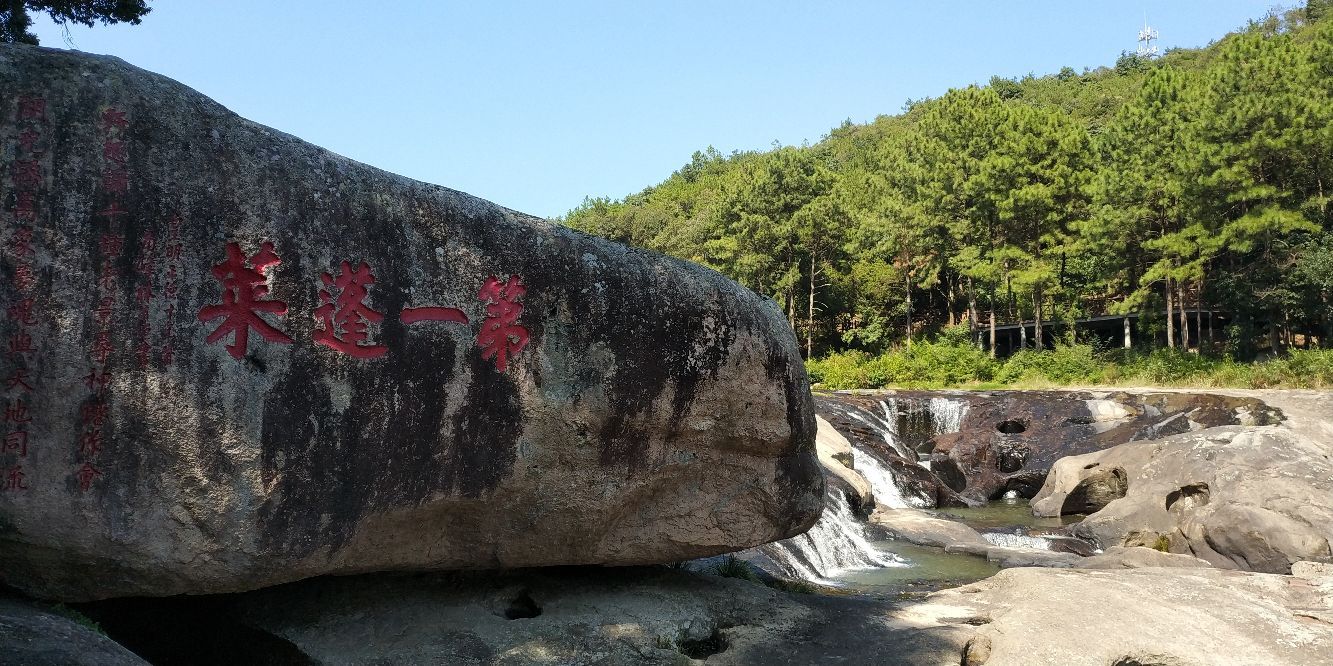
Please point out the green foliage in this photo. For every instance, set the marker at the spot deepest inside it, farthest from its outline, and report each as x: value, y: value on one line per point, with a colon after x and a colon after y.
x: 1162, y: 544
x: 842, y: 370
x: 15, y: 20
x: 1198, y: 179
x: 953, y: 363
x: 929, y: 364
x: 793, y: 586
x: 1066, y: 364
x: 77, y: 617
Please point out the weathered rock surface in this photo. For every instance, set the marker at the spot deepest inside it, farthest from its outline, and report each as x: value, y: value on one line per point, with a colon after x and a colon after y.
x: 1009, y: 441
x: 243, y: 360
x: 1138, y: 557
x: 663, y: 616
x: 1250, y: 498
x: 33, y: 636
x: 835, y: 456
x: 1173, y: 617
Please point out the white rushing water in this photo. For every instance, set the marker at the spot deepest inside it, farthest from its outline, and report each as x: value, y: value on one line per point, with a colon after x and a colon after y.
x: 1016, y: 541
x: 946, y: 415
x: 836, y: 544
x: 882, y: 482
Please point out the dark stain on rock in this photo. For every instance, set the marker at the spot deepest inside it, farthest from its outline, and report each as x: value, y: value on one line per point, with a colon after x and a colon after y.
x: 314, y: 494
x: 486, y: 432
x: 796, y: 469
x: 653, y: 347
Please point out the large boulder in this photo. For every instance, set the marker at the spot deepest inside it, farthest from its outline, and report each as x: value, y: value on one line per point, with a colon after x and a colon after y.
x: 235, y: 359
x: 1258, y: 499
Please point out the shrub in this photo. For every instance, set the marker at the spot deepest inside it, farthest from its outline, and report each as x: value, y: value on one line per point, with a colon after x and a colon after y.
x: 1066, y: 364
x: 845, y: 370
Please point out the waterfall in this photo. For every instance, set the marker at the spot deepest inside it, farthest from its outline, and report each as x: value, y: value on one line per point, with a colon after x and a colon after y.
x: 886, y: 427
x: 1016, y: 540
x: 882, y: 482
x: 835, y: 544
x: 946, y: 414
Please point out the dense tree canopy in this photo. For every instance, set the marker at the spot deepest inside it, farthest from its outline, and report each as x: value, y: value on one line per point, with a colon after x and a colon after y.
x: 1197, y: 180
x: 15, y: 16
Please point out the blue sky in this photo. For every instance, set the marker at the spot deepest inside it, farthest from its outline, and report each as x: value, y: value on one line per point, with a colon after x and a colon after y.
x: 535, y: 105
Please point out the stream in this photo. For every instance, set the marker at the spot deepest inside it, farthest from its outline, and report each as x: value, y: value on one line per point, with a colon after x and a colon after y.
x: 843, y: 551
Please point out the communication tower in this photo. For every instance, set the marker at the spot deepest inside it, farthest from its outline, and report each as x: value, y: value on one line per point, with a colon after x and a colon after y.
x: 1148, y: 35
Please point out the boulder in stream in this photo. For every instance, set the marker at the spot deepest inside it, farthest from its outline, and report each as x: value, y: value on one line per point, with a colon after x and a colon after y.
x: 236, y: 359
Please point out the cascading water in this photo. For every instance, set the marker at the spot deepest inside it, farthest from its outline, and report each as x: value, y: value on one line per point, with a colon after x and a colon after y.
x: 946, y: 414
x: 836, y: 544
x: 885, y: 487
x: 1016, y: 540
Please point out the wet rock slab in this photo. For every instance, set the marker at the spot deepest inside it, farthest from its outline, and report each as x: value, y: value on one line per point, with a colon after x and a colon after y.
x: 236, y: 359
x: 996, y: 442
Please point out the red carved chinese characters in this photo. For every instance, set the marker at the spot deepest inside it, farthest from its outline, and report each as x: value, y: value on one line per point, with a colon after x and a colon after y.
x: 85, y: 475
x: 501, y: 336
x: 20, y: 347
x: 110, y: 222
x: 32, y: 108
x: 414, y: 315
x: 14, y: 479
x: 346, y: 317
x: 244, y: 288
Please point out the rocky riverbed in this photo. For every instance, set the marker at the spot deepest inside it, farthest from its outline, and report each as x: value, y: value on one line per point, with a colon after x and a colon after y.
x: 1051, y: 594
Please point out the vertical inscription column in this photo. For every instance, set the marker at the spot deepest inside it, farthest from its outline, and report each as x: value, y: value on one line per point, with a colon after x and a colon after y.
x: 109, y: 228
x: 26, y: 175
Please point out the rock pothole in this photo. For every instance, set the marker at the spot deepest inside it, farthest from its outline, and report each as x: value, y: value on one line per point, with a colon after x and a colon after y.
x: 1094, y: 492
x: 705, y: 647
x: 1187, y: 497
x: 1010, y: 457
x: 1011, y: 426
x: 522, y: 607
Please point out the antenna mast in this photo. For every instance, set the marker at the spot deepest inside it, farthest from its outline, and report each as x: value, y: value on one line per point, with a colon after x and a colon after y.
x: 1147, y: 49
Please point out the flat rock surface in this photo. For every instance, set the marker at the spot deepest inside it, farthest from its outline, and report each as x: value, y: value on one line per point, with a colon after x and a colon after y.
x: 576, y: 616
x: 237, y: 359
x: 1174, y: 617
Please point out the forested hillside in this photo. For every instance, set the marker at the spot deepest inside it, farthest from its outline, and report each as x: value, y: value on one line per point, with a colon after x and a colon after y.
x: 1196, y: 180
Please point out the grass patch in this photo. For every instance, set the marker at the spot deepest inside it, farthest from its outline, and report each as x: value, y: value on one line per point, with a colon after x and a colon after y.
x: 731, y: 567
x: 75, y: 616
